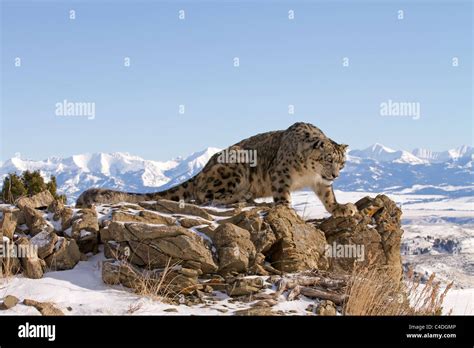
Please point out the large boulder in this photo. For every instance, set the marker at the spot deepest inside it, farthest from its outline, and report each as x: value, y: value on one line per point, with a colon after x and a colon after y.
x: 8, y: 224
x: 35, y: 221
x: 37, y: 201
x: 160, y: 245
x: 32, y: 266
x: 65, y: 256
x: 298, y: 246
x: 44, y: 242
x: 62, y: 215
x: 235, y: 249
x: 371, y: 237
x: 85, y: 230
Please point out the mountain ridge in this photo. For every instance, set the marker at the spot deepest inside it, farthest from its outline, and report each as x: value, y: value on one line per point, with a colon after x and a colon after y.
x: 373, y: 169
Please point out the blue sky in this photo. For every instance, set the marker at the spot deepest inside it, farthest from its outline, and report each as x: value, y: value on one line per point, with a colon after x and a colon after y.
x: 190, y: 62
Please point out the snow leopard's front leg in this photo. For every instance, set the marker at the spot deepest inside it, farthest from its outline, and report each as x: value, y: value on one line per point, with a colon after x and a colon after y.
x: 326, y: 194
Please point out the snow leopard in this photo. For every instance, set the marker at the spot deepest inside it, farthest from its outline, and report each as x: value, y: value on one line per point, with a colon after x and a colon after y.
x: 299, y: 157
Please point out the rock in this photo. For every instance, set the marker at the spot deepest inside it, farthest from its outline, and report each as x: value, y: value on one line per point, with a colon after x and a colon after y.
x: 299, y: 246
x: 33, y: 267
x: 61, y: 213
x: 256, y: 311
x: 191, y: 222
x: 45, y: 242
x: 207, y: 230
x: 172, y: 207
x: 66, y: 255
x: 376, y: 229
x: 45, y: 308
x: 65, y: 216
x: 234, y: 247
x: 125, y: 206
x: 326, y: 307
x: 116, y: 272
x: 227, y: 212
x: 9, y: 301
x: 142, y: 216
x: 85, y: 230
x: 8, y: 224
x: 35, y: 221
x: 39, y: 200
x: 17, y: 214
x: 251, y: 220
x: 158, y: 246
x: 244, y: 286
x: 56, y: 206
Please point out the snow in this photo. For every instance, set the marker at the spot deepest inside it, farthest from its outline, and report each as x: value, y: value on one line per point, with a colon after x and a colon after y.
x: 461, y: 301
x: 41, y: 239
x: 84, y: 233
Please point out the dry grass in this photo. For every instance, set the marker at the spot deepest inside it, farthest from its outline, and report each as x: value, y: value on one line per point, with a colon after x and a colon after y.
x: 9, y: 266
x: 372, y: 292
x: 155, y: 284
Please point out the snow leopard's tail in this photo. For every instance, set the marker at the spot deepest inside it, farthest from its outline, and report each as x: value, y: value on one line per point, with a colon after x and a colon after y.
x: 183, y: 191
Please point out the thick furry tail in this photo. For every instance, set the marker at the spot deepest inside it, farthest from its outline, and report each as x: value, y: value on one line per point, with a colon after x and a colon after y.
x: 184, y: 191
x: 104, y: 196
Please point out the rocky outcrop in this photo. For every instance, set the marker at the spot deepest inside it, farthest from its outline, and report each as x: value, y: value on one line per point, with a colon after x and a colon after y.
x: 373, y: 237
x: 189, y: 249
x: 259, y: 240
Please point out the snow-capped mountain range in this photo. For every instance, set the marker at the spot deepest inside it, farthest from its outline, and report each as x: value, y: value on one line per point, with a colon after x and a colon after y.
x: 374, y: 169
